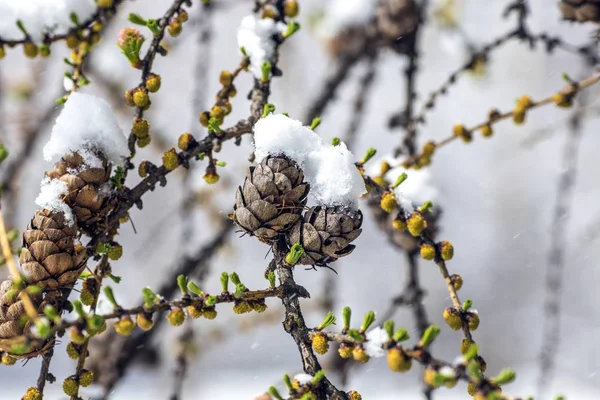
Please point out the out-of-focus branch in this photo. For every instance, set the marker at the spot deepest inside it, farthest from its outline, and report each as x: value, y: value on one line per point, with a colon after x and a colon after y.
x: 556, y: 254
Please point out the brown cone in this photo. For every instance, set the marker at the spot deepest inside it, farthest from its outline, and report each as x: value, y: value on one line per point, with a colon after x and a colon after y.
x: 580, y: 10
x: 325, y: 233
x: 272, y: 198
x: 52, y: 257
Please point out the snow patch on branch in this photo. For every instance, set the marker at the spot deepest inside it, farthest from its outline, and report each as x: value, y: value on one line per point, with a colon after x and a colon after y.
x: 376, y: 338
x: 303, y: 379
x: 51, y: 198
x: 255, y: 35
x: 330, y: 170
x: 41, y: 16
x: 87, y: 125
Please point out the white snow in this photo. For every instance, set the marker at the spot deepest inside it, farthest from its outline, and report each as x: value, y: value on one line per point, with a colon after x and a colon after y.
x: 51, y: 198
x: 255, y: 35
x: 330, y: 170
x: 343, y: 14
x: 447, y: 371
x: 41, y: 16
x: 376, y: 338
x: 67, y: 84
x: 85, y: 125
x: 303, y: 379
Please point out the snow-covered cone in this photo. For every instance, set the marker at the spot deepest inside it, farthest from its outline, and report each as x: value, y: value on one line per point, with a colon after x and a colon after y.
x: 52, y: 257
x: 580, y: 10
x: 272, y: 198
x: 396, y: 19
x: 325, y: 233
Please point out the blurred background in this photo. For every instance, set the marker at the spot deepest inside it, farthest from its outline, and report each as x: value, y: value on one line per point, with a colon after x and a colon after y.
x: 497, y: 195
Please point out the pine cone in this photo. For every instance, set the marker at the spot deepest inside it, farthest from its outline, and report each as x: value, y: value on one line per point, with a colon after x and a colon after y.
x: 52, y: 257
x: 325, y: 233
x: 395, y: 20
x: 272, y: 198
x: 580, y: 10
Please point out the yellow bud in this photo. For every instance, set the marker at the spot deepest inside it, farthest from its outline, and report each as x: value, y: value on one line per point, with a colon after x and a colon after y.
x: 459, y: 130
x: 203, y: 118
x: 416, y: 224
x: 524, y: 102
x: 143, y: 169
x: 473, y: 319
x: 129, y: 97
x: 225, y: 78
x: 428, y: 149
x: 144, y: 322
x: 124, y: 326
x: 185, y: 141
x: 194, y: 312
x: 76, y: 335
x: 86, y: 297
x: 140, y: 97
x: 399, y: 225
x: 170, y: 159
x: 32, y: 394
x: 291, y: 8
x: 388, y: 202
x: 380, y: 180
x: 345, y: 350
x: 452, y: 318
x: 227, y: 106
x: 153, y: 83
x: 397, y: 360
x: 471, y: 389
x: 217, y: 112
x: 72, y: 351
x: 211, y: 177
x: 44, y: 50
x: 72, y: 41
x: 232, y: 91
x: 447, y: 250
x: 457, y: 281
x: 258, y: 306
x: 86, y: 378
x: 140, y: 128
x: 450, y: 383
x: 360, y: 355
x: 268, y: 13
x: 465, y: 345
x: 2, y: 52
x: 487, y: 131
x: 175, y: 28
x: 519, y: 115
x: 115, y: 252
x: 183, y: 16
x: 320, y: 343
x: 429, y: 377
x: 561, y: 100
x: 242, y: 307
x: 7, y: 359
x: 209, y: 313
x: 70, y: 386
x: 30, y: 49
x: 427, y: 252
x: 384, y: 168
x: 176, y: 316
x: 105, y: 3
x: 354, y: 395
x: 143, y: 142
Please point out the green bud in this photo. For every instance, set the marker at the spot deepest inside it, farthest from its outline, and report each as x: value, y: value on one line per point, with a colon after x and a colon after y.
x: 192, y: 287
x: 149, y: 297
x: 271, y: 278
x: 328, y: 321
x: 273, y: 392
x: 315, y: 122
x: 318, y: 377
x: 389, y: 328
x: 294, y: 254
x: 292, y: 28
x: 336, y: 141
x: 400, y: 179
x: 367, y: 321
x: 268, y: 109
x: 401, y: 335
x: 265, y: 70
x: 137, y: 19
x: 235, y: 278
x: 108, y: 292
x: 346, y: 316
x: 224, y: 282
x: 430, y: 334
x: 182, y: 281
x: 370, y: 154
x: 505, y: 376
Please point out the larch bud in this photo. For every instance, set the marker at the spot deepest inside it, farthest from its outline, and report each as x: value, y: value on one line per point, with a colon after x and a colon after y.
x: 447, y: 250
x: 258, y: 306
x: 460, y: 131
x: 176, y: 316
x: 175, y: 28
x: 170, y: 159
x: 452, y: 318
x: 487, y: 131
x: 242, y: 307
x: 125, y: 326
x: 182, y: 16
x: 140, y: 97
x: 430, y: 378
x: 217, y: 112
x: 473, y: 320
x: 140, y: 128
x: 211, y: 177
x: 428, y: 149
x: 153, y: 83
x: 465, y: 346
x: 360, y: 355
x: 129, y: 97
x: 225, y: 78
x: 32, y: 394
x: 471, y: 389
x: 320, y: 343
x: 185, y: 141
x: 209, y: 313
x: 519, y: 115
x: 562, y: 100
x: 380, y: 180
x: 115, y: 252
x: 70, y: 386
x: 345, y: 350
x: 427, y: 252
x: 86, y: 378
x: 143, y: 169
x: 399, y: 225
x: 416, y: 224
x: 143, y: 142
x: 354, y: 395
x: 397, y: 360
x: 204, y: 117
x: 291, y: 8
x: 7, y: 359
x: 76, y: 335
x: 194, y: 311
x: 72, y: 351
x: 524, y: 102
x: 388, y: 202
x: 144, y: 322
x: 30, y: 50
x: 457, y: 281
x: 72, y: 41
x: 105, y: 3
